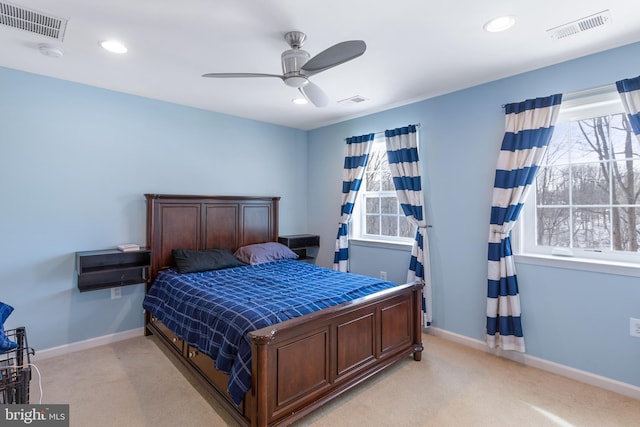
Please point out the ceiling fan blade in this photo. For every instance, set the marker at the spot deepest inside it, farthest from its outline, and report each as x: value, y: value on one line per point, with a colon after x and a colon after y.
x: 335, y: 55
x: 315, y: 95
x: 226, y: 75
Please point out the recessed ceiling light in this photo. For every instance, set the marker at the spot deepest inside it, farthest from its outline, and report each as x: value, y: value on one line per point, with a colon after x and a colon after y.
x: 500, y: 23
x: 299, y: 101
x: 113, y: 46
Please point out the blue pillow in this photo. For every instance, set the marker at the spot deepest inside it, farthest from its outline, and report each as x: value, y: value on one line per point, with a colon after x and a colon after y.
x: 5, y: 343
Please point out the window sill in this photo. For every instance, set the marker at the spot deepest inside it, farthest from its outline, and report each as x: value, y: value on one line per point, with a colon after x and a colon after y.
x: 385, y: 244
x: 599, y: 266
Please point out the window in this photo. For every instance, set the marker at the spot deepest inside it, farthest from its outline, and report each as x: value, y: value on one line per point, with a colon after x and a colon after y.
x: 585, y: 201
x: 377, y: 213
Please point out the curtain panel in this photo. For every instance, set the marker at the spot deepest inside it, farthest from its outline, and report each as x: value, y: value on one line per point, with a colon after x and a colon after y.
x: 629, y: 90
x: 404, y: 163
x: 355, y: 161
x: 528, y: 129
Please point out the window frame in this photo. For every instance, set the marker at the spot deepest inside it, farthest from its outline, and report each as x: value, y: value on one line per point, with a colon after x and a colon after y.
x: 575, y: 106
x: 357, y: 230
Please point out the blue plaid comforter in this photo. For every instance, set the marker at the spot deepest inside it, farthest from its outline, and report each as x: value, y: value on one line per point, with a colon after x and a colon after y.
x: 213, y: 311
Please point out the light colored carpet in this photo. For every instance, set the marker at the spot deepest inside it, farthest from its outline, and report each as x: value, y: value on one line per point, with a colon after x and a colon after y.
x: 135, y: 383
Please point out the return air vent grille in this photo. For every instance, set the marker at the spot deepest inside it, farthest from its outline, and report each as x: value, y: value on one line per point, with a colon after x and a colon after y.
x: 572, y: 28
x: 32, y: 21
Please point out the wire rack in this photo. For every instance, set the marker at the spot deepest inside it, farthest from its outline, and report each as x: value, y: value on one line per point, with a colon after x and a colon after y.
x: 15, y: 369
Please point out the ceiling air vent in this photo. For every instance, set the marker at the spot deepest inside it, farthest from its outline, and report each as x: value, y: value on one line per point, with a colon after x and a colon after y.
x: 357, y: 99
x: 588, y: 23
x: 32, y: 21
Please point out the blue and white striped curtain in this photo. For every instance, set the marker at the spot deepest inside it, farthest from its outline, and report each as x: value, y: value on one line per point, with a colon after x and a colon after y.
x: 528, y: 129
x: 355, y: 161
x: 629, y: 90
x: 402, y: 154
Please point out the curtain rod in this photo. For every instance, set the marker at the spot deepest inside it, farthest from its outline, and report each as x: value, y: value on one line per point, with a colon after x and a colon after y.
x: 382, y: 132
x: 584, y: 92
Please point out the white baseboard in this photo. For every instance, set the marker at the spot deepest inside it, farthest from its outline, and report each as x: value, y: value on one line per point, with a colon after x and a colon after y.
x: 536, y: 362
x: 87, y: 344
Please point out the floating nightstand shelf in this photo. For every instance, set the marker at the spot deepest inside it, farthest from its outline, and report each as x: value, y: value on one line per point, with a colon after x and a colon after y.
x: 111, y: 268
x: 305, y: 245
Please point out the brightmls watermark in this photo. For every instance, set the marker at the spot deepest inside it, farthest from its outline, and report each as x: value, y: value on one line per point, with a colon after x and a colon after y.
x: 34, y: 415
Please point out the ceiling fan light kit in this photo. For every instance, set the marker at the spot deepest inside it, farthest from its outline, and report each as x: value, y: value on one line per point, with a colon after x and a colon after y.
x: 296, y: 81
x: 298, y: 65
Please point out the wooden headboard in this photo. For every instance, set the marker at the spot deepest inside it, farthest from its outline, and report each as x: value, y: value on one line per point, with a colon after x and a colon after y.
x: 206, y: 222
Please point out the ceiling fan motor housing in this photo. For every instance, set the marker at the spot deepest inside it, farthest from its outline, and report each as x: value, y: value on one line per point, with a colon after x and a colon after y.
x: 292, y: 61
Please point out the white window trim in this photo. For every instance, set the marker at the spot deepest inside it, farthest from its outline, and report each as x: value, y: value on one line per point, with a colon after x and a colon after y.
x: 389, y: 242
x: 602, y: 101
x: 584, y: 264
x: 572, y: 263
x: 383, y: 244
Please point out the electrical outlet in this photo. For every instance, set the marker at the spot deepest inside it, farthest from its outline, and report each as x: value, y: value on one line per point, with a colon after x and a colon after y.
x: 383, y: 275
x: 634, y: 327
x: 116, y: 293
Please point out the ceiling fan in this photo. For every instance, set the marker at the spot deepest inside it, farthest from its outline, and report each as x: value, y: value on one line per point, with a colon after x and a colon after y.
x: 298, y: 66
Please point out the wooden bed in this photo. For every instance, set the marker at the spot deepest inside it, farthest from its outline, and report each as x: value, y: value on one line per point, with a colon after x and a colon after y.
x: 297, y: 365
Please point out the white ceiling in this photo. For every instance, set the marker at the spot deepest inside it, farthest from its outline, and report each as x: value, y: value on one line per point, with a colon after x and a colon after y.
x: 415, y: 49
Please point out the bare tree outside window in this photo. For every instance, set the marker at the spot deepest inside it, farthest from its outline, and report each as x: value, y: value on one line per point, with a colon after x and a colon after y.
x: 588, y: 187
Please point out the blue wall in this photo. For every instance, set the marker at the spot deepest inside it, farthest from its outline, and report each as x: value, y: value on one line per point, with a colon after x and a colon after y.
x: 75, y: 163
x: 76, y: 160
x: 571, y: 317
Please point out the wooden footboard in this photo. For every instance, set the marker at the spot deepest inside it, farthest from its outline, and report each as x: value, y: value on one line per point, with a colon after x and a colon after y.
x: 300, y: 364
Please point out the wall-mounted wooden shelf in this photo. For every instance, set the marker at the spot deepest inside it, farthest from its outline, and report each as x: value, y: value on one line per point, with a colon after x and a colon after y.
x: 111, y: 268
